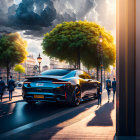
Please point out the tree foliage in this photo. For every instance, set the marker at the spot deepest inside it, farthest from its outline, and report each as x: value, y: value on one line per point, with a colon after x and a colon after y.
x: 68, y: 39
x: 12, y: 50
x: 19, y: 68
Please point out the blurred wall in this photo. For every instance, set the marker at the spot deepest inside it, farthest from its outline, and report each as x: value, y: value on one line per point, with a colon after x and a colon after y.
x: 126, y: 69
x: 138, y: 67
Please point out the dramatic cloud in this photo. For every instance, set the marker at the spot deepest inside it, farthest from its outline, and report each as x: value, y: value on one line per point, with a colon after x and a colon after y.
x: 33, y: 14
x: 38, y: 16
x: 74, y: 8
x: 33, y: 18
x: 4, y: 5
x: 106, y: 10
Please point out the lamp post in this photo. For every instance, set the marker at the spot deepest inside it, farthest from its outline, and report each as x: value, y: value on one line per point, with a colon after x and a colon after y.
x: 39, y: 59
x: 101, y: 54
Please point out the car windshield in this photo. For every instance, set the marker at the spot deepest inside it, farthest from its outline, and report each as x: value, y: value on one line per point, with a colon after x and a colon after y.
x: 56, y: 72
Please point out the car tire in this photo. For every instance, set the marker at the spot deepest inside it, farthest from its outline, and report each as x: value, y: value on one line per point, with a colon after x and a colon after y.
x: 76, y: 96
x: 31, y: 102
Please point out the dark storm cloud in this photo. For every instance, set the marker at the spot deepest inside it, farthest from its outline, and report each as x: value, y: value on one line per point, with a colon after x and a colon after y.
x: 36, y: 17
x: 33, y: 14
x: 38, y: 33
x: 30, y: 15
x: 39, y: 16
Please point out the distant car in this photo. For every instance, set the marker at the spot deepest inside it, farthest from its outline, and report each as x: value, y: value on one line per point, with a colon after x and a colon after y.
x: 69, y: 85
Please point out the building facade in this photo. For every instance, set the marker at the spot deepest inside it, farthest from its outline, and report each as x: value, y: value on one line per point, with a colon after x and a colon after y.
x: 28, y: 64
x: 55, y: 63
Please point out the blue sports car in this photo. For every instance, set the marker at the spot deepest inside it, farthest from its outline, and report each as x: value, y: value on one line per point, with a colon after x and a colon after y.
x: 58, y: 85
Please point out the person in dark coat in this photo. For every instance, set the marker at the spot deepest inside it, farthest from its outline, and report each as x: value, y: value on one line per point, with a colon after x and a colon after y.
x: 108, y: 87
x: 11, y: 86
x: 99, y: 94
x: 114, y: 87
x: 2, y: 88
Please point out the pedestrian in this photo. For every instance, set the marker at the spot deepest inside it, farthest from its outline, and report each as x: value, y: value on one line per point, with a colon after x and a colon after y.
x: 108, y: 88
x: 114, y: 87
x: 99, y: 94
x: 11, y: 86
x: 2, y: 88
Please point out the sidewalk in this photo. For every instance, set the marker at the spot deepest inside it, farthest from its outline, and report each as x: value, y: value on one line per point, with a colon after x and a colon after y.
x: 17, y: 96
x: 97, y: 124
x: 17, y: 92
x: 100, y: 124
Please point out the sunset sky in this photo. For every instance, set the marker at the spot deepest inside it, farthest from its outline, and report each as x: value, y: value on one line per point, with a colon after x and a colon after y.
x: 33, y: 18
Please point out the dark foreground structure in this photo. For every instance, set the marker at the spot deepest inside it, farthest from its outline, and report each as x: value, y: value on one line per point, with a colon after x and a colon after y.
x: 128, y: 68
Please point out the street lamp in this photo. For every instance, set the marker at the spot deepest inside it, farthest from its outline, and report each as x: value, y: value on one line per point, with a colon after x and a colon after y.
x: 39, y: 59
x: 100, y: 39
x: 101, y: 54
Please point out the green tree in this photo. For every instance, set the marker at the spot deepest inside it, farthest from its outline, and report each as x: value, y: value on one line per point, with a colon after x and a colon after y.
x: 12, y: 51
x: 75, y: 41
x: 20, y: 69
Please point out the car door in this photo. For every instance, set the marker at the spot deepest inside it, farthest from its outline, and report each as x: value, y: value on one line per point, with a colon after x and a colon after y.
x: 90, y: 85
x: 82, y: 82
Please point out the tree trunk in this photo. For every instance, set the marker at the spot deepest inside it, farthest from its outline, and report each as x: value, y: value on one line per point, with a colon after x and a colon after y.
x: 78, y: 58
x: 75, y: 65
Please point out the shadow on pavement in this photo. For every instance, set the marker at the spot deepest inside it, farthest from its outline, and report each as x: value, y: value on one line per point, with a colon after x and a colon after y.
x: 103, y: 116
x: 37, y: 134
x: 12, y: 96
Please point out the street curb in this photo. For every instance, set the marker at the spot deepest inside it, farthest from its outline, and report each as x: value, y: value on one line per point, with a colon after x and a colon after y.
x: 10, y: 102
x: 12, y: 96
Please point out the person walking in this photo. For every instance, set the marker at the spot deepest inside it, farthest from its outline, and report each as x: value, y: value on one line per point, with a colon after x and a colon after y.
x: 2, y: 88
x: 108, y: 88
x: 114, y: 87
x: 99, y: 94
x: 11, y: 86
